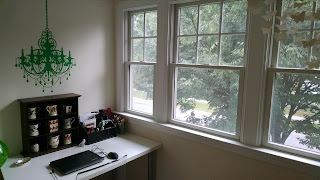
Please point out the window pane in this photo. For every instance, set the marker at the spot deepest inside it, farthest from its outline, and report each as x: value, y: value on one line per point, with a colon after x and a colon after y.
x: 209, y: 19
x: 137, y: 25
x: 207, y: 98
x: 187, y: 49
x: 150, y: 49
x: 317, y: 25
x: 151, y: 23
x: 188, y: 20
x: 234, y: 16
x: 316, y: 49
x: 137, y: 50
x: 295, y: 111
x: 292, y: 54
x: 306, y: 24
x: 141, y: 88
x: 232, y: 50
x: 317, y: 22
x: 208, y: 50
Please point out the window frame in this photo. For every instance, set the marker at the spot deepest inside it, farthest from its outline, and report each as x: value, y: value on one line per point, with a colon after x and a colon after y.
x: 271, y: 72
x: 255, y: 95
x: 174, y: 65
x: 128, y: 62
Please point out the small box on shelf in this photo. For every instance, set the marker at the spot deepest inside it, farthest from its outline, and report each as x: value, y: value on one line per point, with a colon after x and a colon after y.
x: 96, y: 127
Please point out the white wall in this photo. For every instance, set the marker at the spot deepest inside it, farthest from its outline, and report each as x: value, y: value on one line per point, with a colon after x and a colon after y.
x: 183, y: 159
x: 85, y: 27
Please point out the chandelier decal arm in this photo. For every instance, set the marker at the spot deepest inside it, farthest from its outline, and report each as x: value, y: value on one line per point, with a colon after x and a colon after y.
x: 46, y: 65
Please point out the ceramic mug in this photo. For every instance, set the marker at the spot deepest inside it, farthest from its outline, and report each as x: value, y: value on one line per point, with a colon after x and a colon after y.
x: 32, y: 112
x: 68, y: 109
x: 33, y: 129
x: 67, y: 138
x: 35, y: 148
x: 52, y: 110
x: 68, y: 122
x: 53, y: 125
x: 54, y: 141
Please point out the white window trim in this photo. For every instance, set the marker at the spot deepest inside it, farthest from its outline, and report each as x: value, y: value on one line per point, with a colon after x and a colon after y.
x: 128, y: 61
x: 251, y: 132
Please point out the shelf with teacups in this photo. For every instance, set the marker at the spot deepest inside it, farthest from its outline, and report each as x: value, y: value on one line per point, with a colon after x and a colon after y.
x: 45, y: 121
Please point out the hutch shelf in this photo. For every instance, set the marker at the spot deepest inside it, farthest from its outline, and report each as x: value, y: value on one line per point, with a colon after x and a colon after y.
x: 43, y: 120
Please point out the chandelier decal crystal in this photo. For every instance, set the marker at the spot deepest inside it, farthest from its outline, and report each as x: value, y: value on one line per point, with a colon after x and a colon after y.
x: 45, y: 65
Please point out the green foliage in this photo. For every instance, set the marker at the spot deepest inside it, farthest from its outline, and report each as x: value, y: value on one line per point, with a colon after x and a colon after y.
x: 293, y: 55
x: 143, y: 79
x: 187, y: 50
x: 218, y: 87
x: 293, y: 93
x: 209, y: 18
x: 208, y: 50
x: 151, y: 23
x: 138, y: 25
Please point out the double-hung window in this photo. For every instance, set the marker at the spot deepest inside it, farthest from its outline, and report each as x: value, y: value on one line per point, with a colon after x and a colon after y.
x: 208, y: 81
x: 293, y: 103
x: 142, y: 57
x: 208, y: 63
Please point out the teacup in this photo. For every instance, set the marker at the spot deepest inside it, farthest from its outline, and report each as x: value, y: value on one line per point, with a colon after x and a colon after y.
x: 68, y: 122
x: 54, y: 141
x: 33, y: 129
x: 68, y: 109
x: 52, y: 110
x: 53, y: 125
x: 32, y: 112
x: 35, y: 148
x: 67, y: 138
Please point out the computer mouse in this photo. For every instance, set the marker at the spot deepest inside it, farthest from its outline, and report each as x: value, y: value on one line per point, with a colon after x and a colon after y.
x: 112, y: 155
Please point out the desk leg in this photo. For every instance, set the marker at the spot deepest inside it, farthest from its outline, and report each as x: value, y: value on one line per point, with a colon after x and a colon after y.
x: 149, y: 167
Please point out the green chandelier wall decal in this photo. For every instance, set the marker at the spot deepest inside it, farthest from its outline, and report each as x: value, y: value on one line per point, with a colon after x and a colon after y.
x: 45, y: 65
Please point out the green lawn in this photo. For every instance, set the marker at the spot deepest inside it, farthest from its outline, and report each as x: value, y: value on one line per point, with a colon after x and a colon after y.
x: 299, y: 113
x: 140, y: 94
x: 200, y: 106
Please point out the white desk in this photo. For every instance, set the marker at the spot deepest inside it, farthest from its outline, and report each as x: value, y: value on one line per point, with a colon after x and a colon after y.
x: 38, y: 168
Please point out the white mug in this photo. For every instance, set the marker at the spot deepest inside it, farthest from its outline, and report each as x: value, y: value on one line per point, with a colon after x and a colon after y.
x: 33, y: 129
x: 32, y: 112
x: 54, y: 141
x: 53, y: 125
x: 35, y: 148
x: 67, y: 138
x: 52, y: 110
x: 68, y: 122
x: 68, y: 109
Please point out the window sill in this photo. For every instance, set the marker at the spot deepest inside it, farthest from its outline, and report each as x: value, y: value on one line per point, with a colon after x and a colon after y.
x: 302, y: 164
